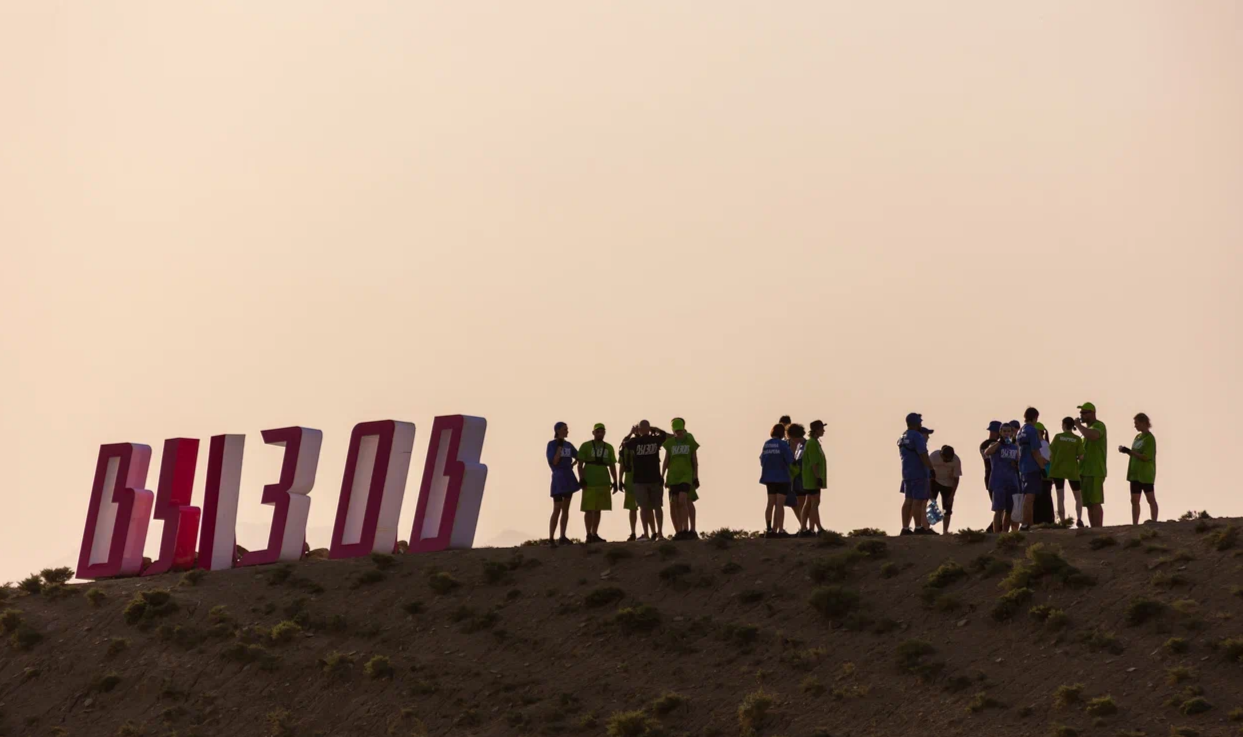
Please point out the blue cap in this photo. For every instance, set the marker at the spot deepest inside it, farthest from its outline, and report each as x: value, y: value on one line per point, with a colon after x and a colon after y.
x: 994, y: 426
x: 914, y: 418
x: 558, y: 426
x: 1015, y: 424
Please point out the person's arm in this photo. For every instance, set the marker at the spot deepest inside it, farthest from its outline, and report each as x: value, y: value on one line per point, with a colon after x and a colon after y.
x: 664, y: 469
x: 1145, y: 457
x: 992, y: 448
x: 582, y: 472
x: 1089, y: 433
x: 956, y: 471
x: 613, y: 473
x: 927, y: 463
x: 695, y: 463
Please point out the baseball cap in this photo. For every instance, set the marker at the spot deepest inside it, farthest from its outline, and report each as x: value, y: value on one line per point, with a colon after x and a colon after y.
x: 1040, y: 426
x: 1088, y: 407
x: 678, y: 423
x: 558, y: 426
x: 1015, y: 424
x: 597, y: 426
x: 914, y: 418
x: 817, y: 424
x: 994, y: 426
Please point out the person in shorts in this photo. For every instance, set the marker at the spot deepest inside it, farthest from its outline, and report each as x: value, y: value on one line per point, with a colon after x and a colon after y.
x: 561, y: 460
x: 1065, y: 453
x: 796, y: 436
x: 625, y: 464
x: 1003, y: 455
x: 681, y: 472
x: 814, y: 472
x: 776, y: 458
x: 946, y: 473
x: 647, y: 488
x: 597, y: 465
x: 1031, y: 463
x: 1092, y: 469
x: 1141, y: 469
x: 916, y: 474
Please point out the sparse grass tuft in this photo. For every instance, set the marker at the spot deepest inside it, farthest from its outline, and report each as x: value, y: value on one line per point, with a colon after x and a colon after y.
x: 1065, y: 695
x: 1101, y: 640
x: 948, y: 573
x: 1232, y: 648
x: 337, y: 663
x: 631, y: 724
x: 1011, y: 541
x: 812, y: 686
x: 836, y: 567
x: 1101, y: 706
x: 1102, y: 542
x: 413, y: 608
x: 890, y: 569
x: 1194, y: 705
x: 379, y: 667
x: 192, y: 577
x: 366, y: 578
x: 148, y: 606
x: 753, y: 712
x: 730, y: 568
x: 830, y: 539
x: 1169, y: 580
x: 1061, y: 730
x: 914, y: 656
x: 1224, y: 538
x: 383, y: 561
x: 116, y: 646
x: 1177, y: 645
x: 674, y: 572
x: 617, y: 553
x: 1009, y: 604
x: 442, y: 582
x: 641, y: 618
x: 668, y: 702
x: 667, y: 550
x: 106, y: 682
x: 968, y: 536
x: 834, y: 601
x: 280, y: 723
x: 1142, y: 609
x: 983, y: 701
x: 872, y: 548
x: 285, y: 632
x: 603, y: 596
x: 32, y: 584
x: 56, y: 575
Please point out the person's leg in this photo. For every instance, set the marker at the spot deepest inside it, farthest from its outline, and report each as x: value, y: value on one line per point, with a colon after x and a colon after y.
x: 1029, y: 509
x: 1151, y: 494
x: 779, y: 512
x: 690, y: 513
x: 565, y: 513
x: 1134, y: 505
x: 1076, y: 489
x: 552, y: 521
x: 906, y: 513
x: 768, y: 512
x: 1059, y: 485
x: 921, y: 513
x: 999, y: 520
x: 813, y: 512
x: 1096, y: 515
x: 659, y: 513
x: 947, y: 501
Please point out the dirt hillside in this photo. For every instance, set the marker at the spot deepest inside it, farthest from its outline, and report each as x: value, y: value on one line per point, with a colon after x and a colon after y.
x: 1122, y: 631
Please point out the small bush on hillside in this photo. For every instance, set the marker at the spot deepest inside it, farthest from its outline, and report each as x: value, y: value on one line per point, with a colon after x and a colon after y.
x: 949, y: 572
x: 989, y: 566
x: 413, y: 608
x: 1141, y: 609
x: 890, y: 569
x: 641, y: 618
x: 1177, y: 645
x: 668, y: 702
x: 812, y: 686
x: 1178, y: 674
x: 674, y: 572
x: 830, y: 539
x: 1101, y: 706
x: 753, y: 712
x: 834, y: 601
x: 1169, y: 580
x: 383, y: 561
x: 603, y: 596
x: 10, y: 620
x: 1102, y: 542
x: 750, y: 596
x: 148, y: 606
x: 730, y: 568
x: 106, y: 682
x: 442, y: 582
x: 495, y: 572
x: 337, y: 663
x: 25, y: 638
x: 31, y: 584
x: 872, y: 548
x: 913, y: 655
x: 740, y: 634
x: 1061, y: 730
x: 192, y: 577
x: 836, y: 567
x: 1066, y: 696
x: 1225, y: 538
x: 1232, y: 648
x: 1057, y: 620
x: 379, y: 667
x: 1236, y: 715
x: 116, y: 646
x: 1101, y: 640
x: 366, y: 578
x: 615, y: 554
x: 631, y: 724
x: 57, y: 575
x: 667, y: 550
x: 968, y: 536
x: 1009, y: 604
x: 284, y: 632
x: 1194, y: 705
x: 240, y: 652
x: 983, y: 701
x: 1011, y: 541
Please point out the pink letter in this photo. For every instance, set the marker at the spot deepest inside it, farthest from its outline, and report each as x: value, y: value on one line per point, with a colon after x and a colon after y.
x: 116, y: 523
x: 289, y: 496
x: 453, y: 481
x: 217, y: 544
x: 372, y: 488
x: 172, y: 506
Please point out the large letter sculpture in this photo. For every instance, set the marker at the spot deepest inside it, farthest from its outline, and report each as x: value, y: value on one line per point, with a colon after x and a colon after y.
x: 172, y: 506
x: 289, y: 497
x: 453, y: 481
x: 218, y: 542
x: 116, y: 523
x: 372, y: 488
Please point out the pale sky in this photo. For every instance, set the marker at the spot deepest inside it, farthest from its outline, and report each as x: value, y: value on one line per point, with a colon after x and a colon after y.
x: 228, y: 217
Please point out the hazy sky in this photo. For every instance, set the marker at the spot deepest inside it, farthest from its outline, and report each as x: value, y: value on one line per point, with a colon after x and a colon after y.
x: 235, y: 216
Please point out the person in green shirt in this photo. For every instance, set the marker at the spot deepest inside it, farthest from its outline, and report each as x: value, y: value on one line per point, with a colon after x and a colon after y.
x: 597, y: 465
x: 1141, y: 470
x: 1065, y: 451
x: 681, y: 471
x: 814, y: 475
x: 1092, y: 470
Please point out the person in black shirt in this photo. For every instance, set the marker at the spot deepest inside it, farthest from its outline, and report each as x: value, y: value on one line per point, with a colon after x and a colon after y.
x: 994, y: 432
x: 648, y: 484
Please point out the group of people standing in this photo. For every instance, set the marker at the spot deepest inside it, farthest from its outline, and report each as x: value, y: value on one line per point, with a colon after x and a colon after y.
x: 1022, y: 468
x: 593, y: 468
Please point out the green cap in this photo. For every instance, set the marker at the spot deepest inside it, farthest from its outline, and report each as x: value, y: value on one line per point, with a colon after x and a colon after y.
x: 1040, y: 426
x: 1088, y: 407
x: 598, y: 426
x: 678, y: 424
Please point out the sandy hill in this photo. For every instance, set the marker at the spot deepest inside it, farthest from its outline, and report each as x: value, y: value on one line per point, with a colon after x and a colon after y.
x: 1121, y: 631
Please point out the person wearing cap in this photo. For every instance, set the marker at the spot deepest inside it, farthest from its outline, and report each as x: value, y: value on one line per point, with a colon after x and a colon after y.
x: 947, y: 470
x: 1065, y: 452
x: 647, y: 489
x: 561, y: 459
x: 597, y: 465
x: 814, y: 472
x: 1030, y: 464
x: 776, y: 460
x: 1141, y: 469
x: 1043, y: 511
x: 625, y: 464
x: 1092, y: 470
x: 916, y: 474
x: 994, y: 432
x: 681, y: 472
x: 1004, y: 479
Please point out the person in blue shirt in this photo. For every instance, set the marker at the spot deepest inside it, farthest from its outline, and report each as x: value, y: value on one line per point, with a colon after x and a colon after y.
x: 916, y: 473
x: 776, y: 458
x: 1003, y: 455
x: 561, y: 457
x: 1030, y: 465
